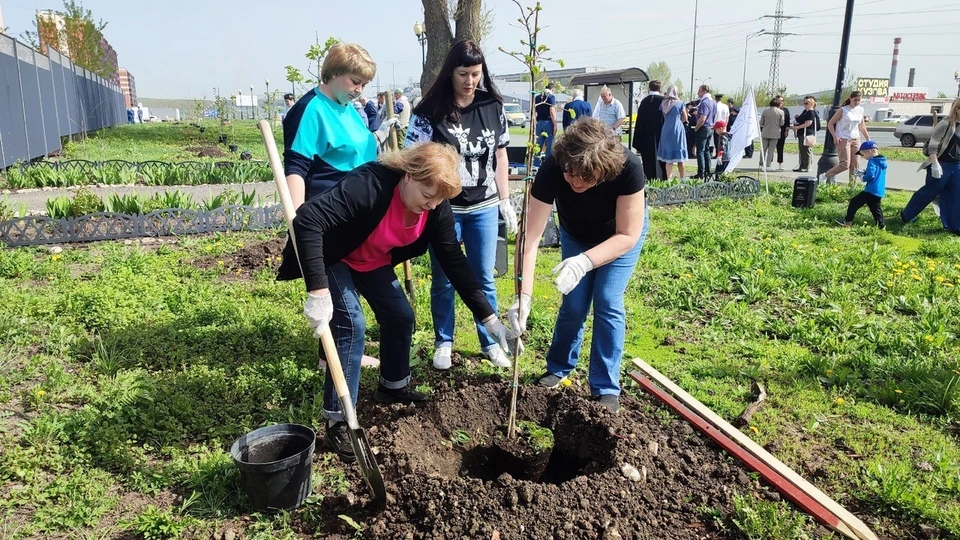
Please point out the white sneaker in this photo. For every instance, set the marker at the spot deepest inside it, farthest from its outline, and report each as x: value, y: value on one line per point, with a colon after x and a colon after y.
x: 441, y: 357
x: 497, y: 357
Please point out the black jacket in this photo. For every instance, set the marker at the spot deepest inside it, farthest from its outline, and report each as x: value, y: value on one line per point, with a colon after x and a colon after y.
x: 333, y: 225
x: 646, y: 132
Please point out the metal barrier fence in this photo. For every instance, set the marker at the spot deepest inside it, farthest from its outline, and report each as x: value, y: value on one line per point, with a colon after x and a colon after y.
x: 44, y: 98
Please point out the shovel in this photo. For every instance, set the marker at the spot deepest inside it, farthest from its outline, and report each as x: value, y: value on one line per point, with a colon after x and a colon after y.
x: 394, y: 146
x: 361, y: 448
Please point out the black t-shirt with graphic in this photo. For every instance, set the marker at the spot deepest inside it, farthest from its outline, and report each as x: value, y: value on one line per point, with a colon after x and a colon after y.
x: 591, y: 216
x: 481, y: 130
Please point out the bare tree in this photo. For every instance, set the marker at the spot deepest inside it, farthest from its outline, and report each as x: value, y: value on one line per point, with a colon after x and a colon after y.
x: 449, y: 21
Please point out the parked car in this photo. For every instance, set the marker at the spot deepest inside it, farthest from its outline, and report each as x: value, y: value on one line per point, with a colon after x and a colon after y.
x: 515, y: 115
x: 897, y: 118
x: 918, y: 128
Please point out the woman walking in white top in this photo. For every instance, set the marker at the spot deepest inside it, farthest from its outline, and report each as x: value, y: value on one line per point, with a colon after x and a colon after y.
x: 846, y: 126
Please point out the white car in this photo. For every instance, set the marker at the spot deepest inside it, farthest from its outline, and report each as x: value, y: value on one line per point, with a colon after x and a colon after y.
x: 897, y: 118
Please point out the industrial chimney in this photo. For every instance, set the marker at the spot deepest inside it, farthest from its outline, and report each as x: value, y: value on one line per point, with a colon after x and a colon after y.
x: 913, y: 72
x: 893, y: 65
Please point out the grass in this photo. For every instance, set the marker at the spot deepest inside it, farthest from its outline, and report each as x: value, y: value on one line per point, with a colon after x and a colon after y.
x: 125, y: 373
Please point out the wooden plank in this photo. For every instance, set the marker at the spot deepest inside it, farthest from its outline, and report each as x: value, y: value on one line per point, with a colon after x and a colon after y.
x: 790, y: 491
x: 862, y: 531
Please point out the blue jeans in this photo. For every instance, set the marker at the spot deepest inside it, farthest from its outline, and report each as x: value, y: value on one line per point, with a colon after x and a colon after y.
x: 702, y: 138
x: 383, y: 292
x: 947, y: 187
x: 545, y: 142
x: 604, y: 287
x: 478, y: 232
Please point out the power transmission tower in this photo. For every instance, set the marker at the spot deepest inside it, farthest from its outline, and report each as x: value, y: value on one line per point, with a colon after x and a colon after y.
x: 777, y: 34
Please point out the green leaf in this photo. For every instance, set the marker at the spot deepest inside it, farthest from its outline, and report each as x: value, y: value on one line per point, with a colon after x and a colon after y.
x: 349, y: 520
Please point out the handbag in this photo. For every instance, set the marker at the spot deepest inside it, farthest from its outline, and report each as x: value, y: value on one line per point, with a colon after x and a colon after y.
x: 810, y: 140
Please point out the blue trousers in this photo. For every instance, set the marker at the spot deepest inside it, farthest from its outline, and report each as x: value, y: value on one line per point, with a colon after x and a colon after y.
x: 478, y: 232
x: 947, y: 187
x: 545, y: 141
x: 703, y: 138
x: 603, y: 287
x: 381, y: 289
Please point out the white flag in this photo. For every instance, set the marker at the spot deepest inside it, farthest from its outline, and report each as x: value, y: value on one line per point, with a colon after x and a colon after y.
x: 745, y: 130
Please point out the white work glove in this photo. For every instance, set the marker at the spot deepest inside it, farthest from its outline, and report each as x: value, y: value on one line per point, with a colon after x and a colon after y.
x: 383, y: 132
x: 570, y: 271
x: 936, y: 170
x: 518, y: 313
x: 319, y: 311
x: 504, y: 337
x: 509, y: 215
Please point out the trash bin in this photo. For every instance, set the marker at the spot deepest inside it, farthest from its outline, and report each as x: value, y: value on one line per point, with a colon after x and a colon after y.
x: 804, y: 192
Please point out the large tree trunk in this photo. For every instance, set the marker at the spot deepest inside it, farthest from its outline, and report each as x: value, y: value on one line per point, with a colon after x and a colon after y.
x: 439, y: 35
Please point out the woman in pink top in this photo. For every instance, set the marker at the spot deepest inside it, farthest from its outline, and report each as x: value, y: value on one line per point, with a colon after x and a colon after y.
x: 351, y: 237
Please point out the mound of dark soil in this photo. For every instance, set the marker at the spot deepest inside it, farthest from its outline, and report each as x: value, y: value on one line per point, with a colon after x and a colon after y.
x: 247, y: 261
x: 444, y: 479
x: 206, y: 151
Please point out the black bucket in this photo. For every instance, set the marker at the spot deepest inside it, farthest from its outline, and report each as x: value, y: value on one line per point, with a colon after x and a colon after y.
x: 275, y: 464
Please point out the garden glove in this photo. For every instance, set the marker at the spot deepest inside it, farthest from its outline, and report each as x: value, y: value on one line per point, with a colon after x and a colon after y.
x: 509, y: 215
x: 518, y: 313
x: 319, y: 311
x: 936, y: 170
x: 383, y: 132
x: 570, y: 271
x: 505, y: 338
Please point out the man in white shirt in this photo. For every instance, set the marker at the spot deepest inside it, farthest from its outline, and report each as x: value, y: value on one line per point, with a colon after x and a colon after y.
x: 723, y: 113
x: 610, y: 111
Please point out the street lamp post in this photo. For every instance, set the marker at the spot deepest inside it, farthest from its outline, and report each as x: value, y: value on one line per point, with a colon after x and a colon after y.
x: 240, y: 103
x: 745, y: 43
x: 420, y: 31
x: 829, y: 159
x: 693, y: 63
x: 253, y: 104
x: 266, y: 98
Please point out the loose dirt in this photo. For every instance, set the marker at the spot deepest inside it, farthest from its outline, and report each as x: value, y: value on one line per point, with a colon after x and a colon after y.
x: 442, y: 487
x: 206, y: 151
x: 247, y: 261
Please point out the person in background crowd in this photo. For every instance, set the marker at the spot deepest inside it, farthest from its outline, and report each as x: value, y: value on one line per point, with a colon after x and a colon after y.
x: 131, y: 116
x: 545, y: 107
x: 576, y: 109
x: 361, y: 113
x: 324, y: 137
x: 690, y: 128
x: 846, y: 126
x: 723, y: 115
x: 371, y: 112
x: 734, y: 111
x: 288, y: 101
x: 646, y: 132
x: 403, y: 110
x: 875, y: 180
x: 598, y: 187
x: 381, y: 102
x: 943, y: 174
x: 771, y: 126
x: 807, y: 124
x: 784, y: 130
x: 706, y: 116
x: 672, y: 146
x: 723, y: 146
x: 610, y: 111
x: 464, y: 109
x: 349, y: 240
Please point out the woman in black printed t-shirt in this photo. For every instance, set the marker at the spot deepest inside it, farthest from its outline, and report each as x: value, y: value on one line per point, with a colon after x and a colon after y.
x: 464, y: 110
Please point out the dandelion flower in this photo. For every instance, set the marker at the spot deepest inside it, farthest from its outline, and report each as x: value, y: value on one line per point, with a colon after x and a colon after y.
x: 239, y: 245
x: 759, y: 271
x: 889, y: 284
x: 839, y: 401
x: 916, y: 277
x: 41, y: 393
x: 55, y: 257
x: 766, y: 252
x: 939, y: 279
x: 829, y: 372
x: 899, y: 391
x: 755, y: 430
x: 928, y: 337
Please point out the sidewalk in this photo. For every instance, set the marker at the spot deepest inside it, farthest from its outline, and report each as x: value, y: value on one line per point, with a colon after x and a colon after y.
x: 901, y: 175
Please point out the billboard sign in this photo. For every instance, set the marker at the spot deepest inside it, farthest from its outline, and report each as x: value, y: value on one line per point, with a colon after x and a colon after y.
x: 872, y: 89
x: 907, y: 93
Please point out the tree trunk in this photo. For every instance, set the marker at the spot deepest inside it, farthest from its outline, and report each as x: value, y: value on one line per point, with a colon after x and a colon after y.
x: 439, y: 35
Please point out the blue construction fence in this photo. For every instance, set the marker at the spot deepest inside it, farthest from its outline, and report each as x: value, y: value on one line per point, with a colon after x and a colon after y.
x: 44, y: 98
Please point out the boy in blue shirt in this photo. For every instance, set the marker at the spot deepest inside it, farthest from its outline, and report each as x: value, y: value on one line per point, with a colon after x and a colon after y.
x: 875, y: 178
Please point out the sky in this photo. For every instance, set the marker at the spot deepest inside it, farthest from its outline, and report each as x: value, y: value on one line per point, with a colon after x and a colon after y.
x: 183, y: 49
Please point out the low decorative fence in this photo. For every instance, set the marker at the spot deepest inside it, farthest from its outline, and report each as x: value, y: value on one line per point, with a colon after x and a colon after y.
x: 41, y: 230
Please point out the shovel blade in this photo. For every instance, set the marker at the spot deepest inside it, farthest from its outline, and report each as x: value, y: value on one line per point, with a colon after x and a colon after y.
x: 368, y: 465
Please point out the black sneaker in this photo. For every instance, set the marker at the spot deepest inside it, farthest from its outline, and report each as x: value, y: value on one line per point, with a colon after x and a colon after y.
x: 337, y: 438
x: 609, y: 401
x: 549, y: 380
x: 405, y: 395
